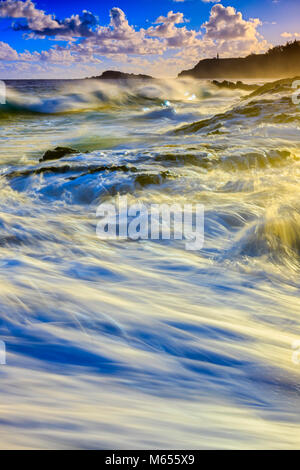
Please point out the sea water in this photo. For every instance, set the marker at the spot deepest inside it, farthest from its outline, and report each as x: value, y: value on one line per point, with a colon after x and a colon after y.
x: 143, y: 344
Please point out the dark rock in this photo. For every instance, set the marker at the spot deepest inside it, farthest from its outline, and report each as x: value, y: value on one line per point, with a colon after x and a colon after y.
x: 57, y: 153
x: 116, y: 75
x: 235, y: 86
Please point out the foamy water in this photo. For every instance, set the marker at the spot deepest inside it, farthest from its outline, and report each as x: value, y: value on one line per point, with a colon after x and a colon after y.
x: 123, y: 344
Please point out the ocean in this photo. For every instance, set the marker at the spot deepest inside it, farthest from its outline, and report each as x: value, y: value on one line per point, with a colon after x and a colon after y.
x: 142, y: 344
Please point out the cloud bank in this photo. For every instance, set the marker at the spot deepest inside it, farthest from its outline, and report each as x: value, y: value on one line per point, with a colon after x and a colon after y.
x: 166, y: 46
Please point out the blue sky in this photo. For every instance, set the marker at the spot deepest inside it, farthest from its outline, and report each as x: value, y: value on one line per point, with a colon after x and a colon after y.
x: 45, y: 38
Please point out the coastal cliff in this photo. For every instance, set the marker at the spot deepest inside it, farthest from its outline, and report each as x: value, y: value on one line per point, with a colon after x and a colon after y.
x: 278, y: 62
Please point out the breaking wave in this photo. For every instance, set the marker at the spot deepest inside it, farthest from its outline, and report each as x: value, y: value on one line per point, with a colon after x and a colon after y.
x: 101, y: 332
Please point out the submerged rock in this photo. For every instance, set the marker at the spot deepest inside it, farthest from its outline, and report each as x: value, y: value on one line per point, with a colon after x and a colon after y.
x: 279, y: 86
x: 235, y: 86
x: 57, y: 153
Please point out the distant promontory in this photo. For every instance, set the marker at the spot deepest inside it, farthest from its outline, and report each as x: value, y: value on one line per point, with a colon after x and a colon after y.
x: 278, y: 62
x: 116, y: 75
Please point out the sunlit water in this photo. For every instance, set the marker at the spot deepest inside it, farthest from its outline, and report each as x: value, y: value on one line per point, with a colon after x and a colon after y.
x: 142, y: 344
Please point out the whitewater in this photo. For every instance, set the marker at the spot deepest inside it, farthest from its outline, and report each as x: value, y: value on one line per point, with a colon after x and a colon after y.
x: 122, y: 344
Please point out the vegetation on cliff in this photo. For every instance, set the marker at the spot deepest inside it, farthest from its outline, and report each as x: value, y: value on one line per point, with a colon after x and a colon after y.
x: 280, y: 61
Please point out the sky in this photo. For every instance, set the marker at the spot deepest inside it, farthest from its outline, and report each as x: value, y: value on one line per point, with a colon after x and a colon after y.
x: 61, y: 39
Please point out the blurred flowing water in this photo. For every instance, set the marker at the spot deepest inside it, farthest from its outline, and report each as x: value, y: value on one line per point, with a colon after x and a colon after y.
x: 123, y: 344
